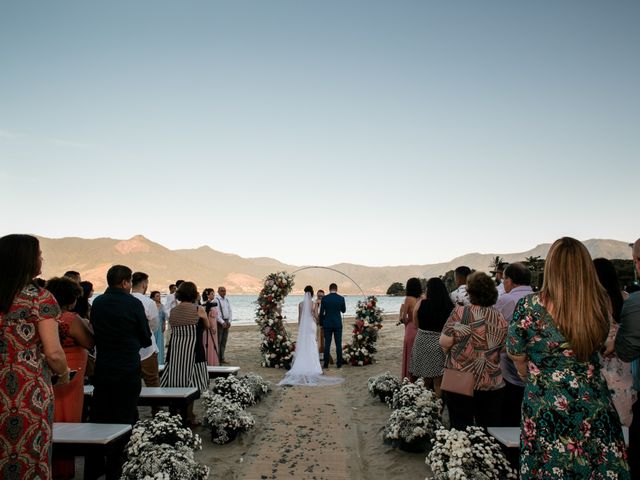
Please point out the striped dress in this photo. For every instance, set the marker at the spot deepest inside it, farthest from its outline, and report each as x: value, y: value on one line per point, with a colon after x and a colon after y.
x: 186, y: 364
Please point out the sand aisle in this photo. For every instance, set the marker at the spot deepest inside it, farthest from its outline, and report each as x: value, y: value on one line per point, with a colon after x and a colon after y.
x: 305, y: 437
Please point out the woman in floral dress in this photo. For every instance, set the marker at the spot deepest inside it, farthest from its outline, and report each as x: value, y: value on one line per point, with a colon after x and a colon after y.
x: 570, y: 429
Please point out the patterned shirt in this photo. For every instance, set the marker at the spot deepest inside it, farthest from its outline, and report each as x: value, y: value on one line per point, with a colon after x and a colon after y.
x: 479, y: 335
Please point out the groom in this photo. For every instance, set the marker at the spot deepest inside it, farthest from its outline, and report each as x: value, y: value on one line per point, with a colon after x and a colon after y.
x: 331, y: 310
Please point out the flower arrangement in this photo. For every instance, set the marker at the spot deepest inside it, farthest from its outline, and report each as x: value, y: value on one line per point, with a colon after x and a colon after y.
x: 257, y: 385
x: 467, y: 455
x: 225, y: 418
x: 233, y: 390
x: 412, y: 428
x: 414, y: 395
x: 276, y: 347
x: 365, y: 333
x: 162, y: 448
x: 383, y: 386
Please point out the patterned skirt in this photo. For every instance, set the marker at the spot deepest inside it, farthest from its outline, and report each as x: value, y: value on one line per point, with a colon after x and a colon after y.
x: 181, y: 368
x: 427, y: 357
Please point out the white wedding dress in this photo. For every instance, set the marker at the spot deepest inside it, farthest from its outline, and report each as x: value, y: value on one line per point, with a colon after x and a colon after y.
x: 306, y: 368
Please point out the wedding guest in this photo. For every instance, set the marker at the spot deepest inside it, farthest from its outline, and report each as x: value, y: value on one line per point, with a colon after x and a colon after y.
x: 499, y: 278
x: 413, y: 293
x: 148, y: 355
x: 460, y: 296
x: 186, y: 362
x: 570, y: 428
x: 162, y: 325
x: 170, y: 300
x: 430, y: 315
x: 73, y: 275
x: 517, y: 284
x: 225, y: 317
x: 616, y: 372
x: 473, y: 337
x: 627, y: 347
x: 30, y: 351
x: 75, y: 339
x: 83, y: 307
x: 210, y: 337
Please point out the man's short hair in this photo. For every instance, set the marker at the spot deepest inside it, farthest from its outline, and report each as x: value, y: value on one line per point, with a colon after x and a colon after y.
x: 320, y: 291
x: 118, y: 274
x: 172, y: 285
x: 72, y: 274
x: 518, y: 273
x: 179, y: 282
x: 333, y: 286
x: 462, y: 271
x: 138, y: 277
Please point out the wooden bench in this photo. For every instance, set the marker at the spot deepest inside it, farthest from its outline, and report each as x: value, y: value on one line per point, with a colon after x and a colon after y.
x: 214, y: 371
x: 510, y: 436
x: 176, y: 398
x: 89, y: 439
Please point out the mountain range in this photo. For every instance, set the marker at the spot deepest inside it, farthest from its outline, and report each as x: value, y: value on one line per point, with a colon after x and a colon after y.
x: 210, y: 268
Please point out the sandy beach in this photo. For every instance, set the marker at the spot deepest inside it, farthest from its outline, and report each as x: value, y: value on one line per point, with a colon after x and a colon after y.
x: 314, y: 433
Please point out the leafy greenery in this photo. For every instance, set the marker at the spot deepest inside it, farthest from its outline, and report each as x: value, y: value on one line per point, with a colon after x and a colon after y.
x: 396, y: 289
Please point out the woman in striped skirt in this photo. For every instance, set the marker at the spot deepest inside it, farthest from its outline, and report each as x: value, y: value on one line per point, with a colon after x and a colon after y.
x: 430, y: 315
x: 186, y: 364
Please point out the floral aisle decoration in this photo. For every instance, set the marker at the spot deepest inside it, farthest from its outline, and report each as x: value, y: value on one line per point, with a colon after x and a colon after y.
x: 383, y: 386
x: 414, y: 395
x: 161, y: 448
x: 233, y: 390
x: 467, y: 455
x: 412, y: 428
x: 257, y: 385
x: 226, y: 418
x: 365, y: 333
x: 276, y: 347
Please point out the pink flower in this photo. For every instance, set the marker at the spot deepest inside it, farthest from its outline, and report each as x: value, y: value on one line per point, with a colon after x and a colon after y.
x: 529, y: 428
x: 561, y: 403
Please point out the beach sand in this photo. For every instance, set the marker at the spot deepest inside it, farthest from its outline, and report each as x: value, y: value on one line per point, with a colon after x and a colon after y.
x: 314, y: 432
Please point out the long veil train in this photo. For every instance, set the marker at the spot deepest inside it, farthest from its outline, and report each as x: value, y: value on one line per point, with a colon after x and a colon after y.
x: 306, y: 368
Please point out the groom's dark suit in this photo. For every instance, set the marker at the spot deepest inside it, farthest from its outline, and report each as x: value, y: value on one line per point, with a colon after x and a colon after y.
x: 331, y: 310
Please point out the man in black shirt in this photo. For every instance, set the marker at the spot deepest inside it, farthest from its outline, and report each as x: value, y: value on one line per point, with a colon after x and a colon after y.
x: 121, y: 329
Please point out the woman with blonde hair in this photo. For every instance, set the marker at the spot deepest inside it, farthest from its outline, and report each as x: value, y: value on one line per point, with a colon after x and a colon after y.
x: 570, y: 428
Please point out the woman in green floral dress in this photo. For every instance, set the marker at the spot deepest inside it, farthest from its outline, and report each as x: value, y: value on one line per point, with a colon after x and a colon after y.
x: 570, y: 429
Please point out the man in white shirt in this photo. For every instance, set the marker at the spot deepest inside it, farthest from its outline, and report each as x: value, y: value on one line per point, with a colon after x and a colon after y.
x: 170, y: 300
x: 460, y: 296
x: 517, y: 284
x: 499, y: 273
x: 148, y: 355
x: 225, y: 317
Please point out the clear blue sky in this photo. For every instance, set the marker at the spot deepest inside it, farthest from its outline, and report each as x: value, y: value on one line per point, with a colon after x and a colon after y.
x: 319, y: 132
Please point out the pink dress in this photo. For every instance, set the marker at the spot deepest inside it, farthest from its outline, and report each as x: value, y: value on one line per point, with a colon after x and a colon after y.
x: 410, y: 332
x: 210, y: 339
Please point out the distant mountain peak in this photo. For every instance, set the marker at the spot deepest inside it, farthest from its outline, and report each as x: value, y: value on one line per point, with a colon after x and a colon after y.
x: 136, y: 244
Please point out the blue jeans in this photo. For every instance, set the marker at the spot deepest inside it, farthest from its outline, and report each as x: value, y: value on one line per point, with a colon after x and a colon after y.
x: 336, y: 333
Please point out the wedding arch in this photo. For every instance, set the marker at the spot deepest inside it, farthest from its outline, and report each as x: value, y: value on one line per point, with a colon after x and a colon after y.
x: 277, y: 347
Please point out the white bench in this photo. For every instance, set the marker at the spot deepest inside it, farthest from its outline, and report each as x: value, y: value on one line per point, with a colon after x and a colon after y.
x: 176, y: 398
x: 510, y: 436
x: 89, y: 439
x: 213, y: 371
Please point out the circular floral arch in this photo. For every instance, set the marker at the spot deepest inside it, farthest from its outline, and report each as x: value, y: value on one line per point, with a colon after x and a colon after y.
x: 277, y: 347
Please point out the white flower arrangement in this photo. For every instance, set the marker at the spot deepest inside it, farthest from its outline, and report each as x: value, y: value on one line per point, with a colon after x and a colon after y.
x: 408, y: 424
x: 225, y: 418
x: 162, y: 448
x: 365, y: 333
x: 414, y: 395
x: 257, y: 385
x: 233, y: 390
x: 383, y: 385
x: 467, y: 455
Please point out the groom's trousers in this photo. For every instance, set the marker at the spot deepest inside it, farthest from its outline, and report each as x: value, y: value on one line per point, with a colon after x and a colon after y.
x: 336, y: 333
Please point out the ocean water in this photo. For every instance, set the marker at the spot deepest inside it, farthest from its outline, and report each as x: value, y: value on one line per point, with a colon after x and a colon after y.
x: 244, y: 307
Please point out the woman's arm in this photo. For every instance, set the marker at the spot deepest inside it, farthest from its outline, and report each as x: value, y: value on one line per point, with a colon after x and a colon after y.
x: 203, y: 315
x: 446, y: 342
x: 53, y: 352
x: 521, y: 363
x: 80, y: 333
x: 414, y: 318
x: 401, y: 316
x: 299, y: 312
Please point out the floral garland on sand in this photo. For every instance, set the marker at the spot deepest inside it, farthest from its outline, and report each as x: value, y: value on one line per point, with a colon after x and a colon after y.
x: 277, y: 347
x: 161, y: 448
x: 383, y: 386
x: 365, y: 333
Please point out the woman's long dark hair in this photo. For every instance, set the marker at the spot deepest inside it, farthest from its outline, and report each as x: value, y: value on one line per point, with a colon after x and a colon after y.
x: 439, y: 304
x: 414, y: 287
x: 19, y: 265
x: 609, y: 279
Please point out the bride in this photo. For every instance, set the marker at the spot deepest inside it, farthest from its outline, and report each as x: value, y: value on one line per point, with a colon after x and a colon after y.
x: 306, y: 368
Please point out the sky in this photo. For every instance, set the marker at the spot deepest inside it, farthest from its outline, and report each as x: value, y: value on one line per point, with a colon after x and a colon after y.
x: 371, y: 132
